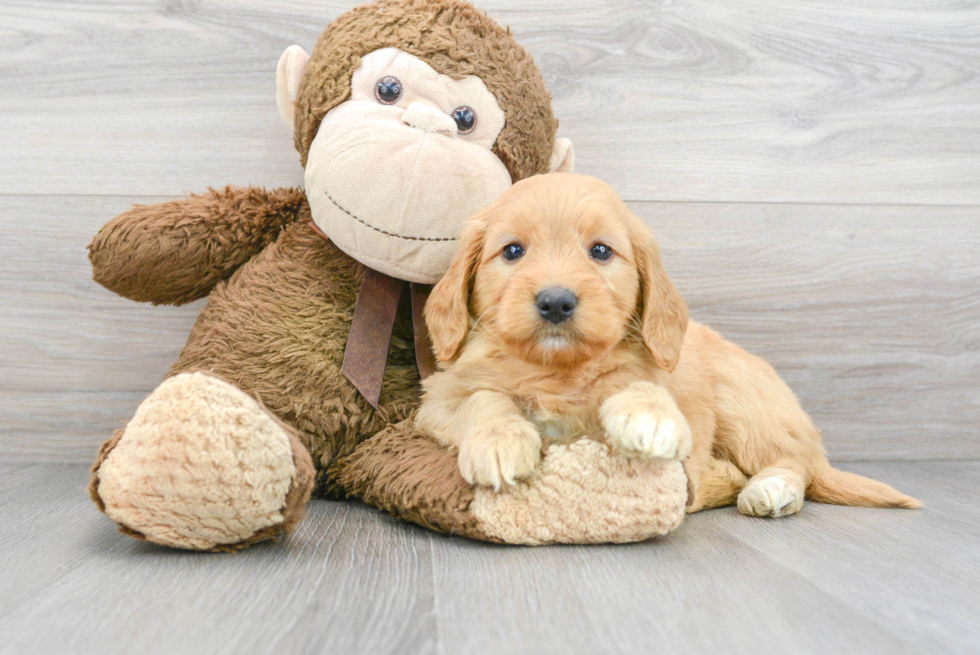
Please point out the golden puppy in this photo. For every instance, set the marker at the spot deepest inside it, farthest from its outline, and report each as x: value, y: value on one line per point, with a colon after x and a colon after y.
x: 557, y: 320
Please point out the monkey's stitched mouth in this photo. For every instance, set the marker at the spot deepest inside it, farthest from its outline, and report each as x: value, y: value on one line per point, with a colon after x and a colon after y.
x: 379, y: 230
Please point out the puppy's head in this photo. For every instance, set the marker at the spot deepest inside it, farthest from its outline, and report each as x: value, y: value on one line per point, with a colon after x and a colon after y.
x: 560, y: 271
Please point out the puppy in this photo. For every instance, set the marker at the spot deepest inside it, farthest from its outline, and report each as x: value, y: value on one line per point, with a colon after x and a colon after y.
x: 557, y: 320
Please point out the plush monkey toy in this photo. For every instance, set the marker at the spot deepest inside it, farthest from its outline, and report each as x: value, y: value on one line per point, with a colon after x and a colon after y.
x: 302, y: 372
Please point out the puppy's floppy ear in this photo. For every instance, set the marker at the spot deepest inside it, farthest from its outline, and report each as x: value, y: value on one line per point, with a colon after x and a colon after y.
x: 447, y: 310
x: 663, y: 311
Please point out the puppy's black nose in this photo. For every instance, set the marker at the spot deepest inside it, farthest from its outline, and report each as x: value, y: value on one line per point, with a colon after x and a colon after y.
x: 556, y: 304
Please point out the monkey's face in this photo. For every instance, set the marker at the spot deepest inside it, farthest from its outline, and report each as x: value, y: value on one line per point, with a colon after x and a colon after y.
x: 395, y: 170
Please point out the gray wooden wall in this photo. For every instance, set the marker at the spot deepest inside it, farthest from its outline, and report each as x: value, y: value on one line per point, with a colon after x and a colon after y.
x: 812, y: 169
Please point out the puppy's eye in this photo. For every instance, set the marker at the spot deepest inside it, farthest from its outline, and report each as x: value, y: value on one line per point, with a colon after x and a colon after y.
x: 388, y: 90
x: 513, y: 251
x: 465, y: 119
x: 601, y: 252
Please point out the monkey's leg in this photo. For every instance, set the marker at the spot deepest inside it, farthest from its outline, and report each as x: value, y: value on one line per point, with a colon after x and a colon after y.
x: 276, y: 332
x: 278, y: 329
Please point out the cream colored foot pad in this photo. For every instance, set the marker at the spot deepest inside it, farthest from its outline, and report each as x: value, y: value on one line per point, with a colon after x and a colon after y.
x: 200, y: 465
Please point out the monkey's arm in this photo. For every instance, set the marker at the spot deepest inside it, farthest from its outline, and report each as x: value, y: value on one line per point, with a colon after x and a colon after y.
x: 175, y: 252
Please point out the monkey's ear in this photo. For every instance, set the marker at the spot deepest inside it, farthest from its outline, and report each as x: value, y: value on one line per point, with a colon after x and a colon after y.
x: 289, y: 72
x: 447, y: 312
x: 562, y: 157
x: 663, y: 310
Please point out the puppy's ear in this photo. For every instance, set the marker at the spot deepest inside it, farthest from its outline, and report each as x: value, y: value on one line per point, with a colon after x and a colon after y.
x: 663, y: 311
x: 447, y: 310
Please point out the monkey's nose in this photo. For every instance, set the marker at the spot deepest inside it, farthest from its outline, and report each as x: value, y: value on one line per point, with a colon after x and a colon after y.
x: 556, y: 304
x: 429, y: 119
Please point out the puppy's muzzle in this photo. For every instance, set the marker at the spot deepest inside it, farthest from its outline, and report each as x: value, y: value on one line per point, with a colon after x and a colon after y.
x: 556, y: 304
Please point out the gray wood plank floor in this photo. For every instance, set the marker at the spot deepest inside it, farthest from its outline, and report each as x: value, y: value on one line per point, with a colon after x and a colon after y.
x: 351, y: 580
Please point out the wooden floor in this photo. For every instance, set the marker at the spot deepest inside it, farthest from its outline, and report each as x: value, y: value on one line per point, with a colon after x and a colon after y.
x: 812, y: 170
x: 351, y: 580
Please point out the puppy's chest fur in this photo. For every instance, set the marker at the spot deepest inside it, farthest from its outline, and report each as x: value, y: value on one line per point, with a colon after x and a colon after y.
x: 561, y: 418
x: 565, y: 408
x: 562, y: 403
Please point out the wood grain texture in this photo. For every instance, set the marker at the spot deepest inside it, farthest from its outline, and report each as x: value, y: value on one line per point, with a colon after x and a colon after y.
x: 351, y: 580
x: 872, y: 319
x: 348, y: 581
x: 756, y: 101
x: 871, y: 314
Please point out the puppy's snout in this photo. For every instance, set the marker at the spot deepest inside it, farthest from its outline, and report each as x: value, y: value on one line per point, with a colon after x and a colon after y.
x: 556, y: 304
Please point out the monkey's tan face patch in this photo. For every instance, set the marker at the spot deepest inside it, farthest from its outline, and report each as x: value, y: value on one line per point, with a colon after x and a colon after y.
x: 391, y: 176
x: 420, y: 84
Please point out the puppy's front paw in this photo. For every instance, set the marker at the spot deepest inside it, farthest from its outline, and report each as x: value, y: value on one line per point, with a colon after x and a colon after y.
x: 650, y: 427
x: 500, y: 452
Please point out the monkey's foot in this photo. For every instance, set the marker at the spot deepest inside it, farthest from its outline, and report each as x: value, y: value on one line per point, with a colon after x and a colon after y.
x: 203, y: 466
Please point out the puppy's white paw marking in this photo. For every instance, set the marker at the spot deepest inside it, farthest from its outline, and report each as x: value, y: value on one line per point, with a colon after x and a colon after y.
x: 500, y: 452
x: 646, y: 428
x: 772, y: 496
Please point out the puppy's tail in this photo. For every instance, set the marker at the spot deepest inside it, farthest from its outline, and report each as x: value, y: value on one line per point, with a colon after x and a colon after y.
x: 841, y: 488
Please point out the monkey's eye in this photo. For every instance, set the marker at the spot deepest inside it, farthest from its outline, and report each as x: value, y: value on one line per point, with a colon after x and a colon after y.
x: 513, y: 251
x: 465, y: 119
x: 388, y: 90
x: 600, y: 252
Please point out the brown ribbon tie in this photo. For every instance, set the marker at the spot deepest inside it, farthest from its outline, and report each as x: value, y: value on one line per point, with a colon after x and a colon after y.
x: 366, y: 353
x: 425, y: 357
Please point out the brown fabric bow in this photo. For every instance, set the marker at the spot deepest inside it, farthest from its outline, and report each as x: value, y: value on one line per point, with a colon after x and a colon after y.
x: 370, y: 332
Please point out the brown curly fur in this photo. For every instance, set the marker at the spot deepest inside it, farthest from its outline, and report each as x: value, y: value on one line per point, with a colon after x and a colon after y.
x: 278, y: 329
x: 175, y: 252
x: 408, y: 475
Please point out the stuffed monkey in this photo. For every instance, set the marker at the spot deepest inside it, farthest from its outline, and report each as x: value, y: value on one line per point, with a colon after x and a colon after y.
x: 409, y: 115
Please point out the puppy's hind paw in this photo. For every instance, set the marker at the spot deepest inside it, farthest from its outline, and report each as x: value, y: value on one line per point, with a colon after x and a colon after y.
x: 772, y: 496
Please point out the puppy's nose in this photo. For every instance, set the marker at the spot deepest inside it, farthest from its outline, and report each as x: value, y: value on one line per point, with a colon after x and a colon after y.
x: 556, y: 304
